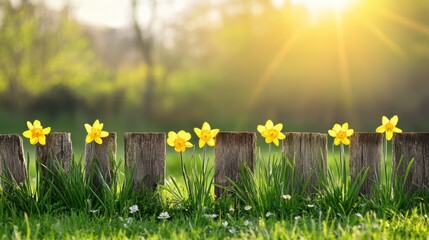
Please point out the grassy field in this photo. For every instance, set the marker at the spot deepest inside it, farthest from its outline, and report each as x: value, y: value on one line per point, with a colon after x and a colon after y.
x: 269, y: 203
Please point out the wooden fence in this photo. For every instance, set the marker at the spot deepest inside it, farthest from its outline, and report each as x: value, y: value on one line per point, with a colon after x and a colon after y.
x: 145, y: 154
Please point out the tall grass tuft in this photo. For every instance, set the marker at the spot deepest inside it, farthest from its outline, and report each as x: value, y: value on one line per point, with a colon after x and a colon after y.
x: 273, y: 186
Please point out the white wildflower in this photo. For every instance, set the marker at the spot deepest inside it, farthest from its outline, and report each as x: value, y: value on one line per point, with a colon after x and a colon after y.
x: 225, y: 223
x: 268, y: 214
x: 134, y: 208
x: 358, y: 215
x: 164, y: 215
x: 93, y: 211
x: 231, y: 209
x: 310, y: 205
x: 232, y: 230
x: 247, y: 208
x: 286, y: 197
x: 212, y: 216
x: 247, y: 223
x: 297, y: 218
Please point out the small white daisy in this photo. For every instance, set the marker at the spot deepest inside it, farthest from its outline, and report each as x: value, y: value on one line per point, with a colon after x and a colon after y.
x: 297, y: 218
x: 225, y: 223
x: 247, y: 208
x: 164, y: 215
x: 231, y: 209
x: 358, y: 215
x: 232, y: 230
x: 134, y: 208
x: 286, y: 197
x: 268, y: 214
x: 247, y: 223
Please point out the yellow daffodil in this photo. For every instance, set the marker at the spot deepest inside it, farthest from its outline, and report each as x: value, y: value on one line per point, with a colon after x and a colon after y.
x: 95, y: 132
x: 179, y: 140
x: 271, y: 133
x: 206, y: 135
x: 341, y: 134
x: 36, y: 133
x: 389, y: 126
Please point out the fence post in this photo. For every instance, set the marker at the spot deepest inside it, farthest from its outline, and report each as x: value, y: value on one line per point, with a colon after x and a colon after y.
x: 232, y: 150
x: 145, y: 158
x: 408, y: 146
x: 310, y: 153
x: 58, y: 152
x: 12, y: 162
x: 366, y: 151
x: 99, y: 158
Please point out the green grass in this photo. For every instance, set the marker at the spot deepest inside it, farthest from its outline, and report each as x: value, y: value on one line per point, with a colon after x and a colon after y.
x: 66, y: 206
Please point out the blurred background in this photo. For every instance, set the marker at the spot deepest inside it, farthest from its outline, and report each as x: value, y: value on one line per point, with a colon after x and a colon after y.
x: 161, y: 65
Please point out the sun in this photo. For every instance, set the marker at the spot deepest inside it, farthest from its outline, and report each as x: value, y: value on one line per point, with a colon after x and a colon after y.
x: 317, y: 7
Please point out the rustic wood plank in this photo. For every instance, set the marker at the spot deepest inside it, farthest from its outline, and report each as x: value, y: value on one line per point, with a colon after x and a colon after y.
x: 100, y: 156
x: 145, y: 157
x: 58, y: 152
x: 409, y: 146
x: 310, y: 153
x: 232, y: 151
x: 366, y: 151
x: 12, y: 162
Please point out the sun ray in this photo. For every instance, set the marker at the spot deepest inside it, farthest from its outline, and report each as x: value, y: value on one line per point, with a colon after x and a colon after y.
x: 382, y: 36
x: 344, y: 67
x: 271, y: 68
x: 404, y: 21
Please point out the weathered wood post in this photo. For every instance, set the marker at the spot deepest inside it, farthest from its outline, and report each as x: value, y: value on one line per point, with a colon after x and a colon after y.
x: 99, y: 158
x: 310, y: 153
x: 366, y: 151
x: 408, y: 146
x: 145, y: 158
x: 232, y: 151
x: 12, y: 162
x: 58, y: 152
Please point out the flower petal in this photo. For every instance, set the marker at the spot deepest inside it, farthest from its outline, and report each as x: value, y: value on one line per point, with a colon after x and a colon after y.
x: 281, y: 136
x: 394, y: 120
x: 268, y: 140
x: 350, y: 132
x: 170, y: 142
x: 37, y: 124
x: 397, y: 130
x: 332, y: 133
x: 98, y: 140
x: 34, y: 140
x: 187, y: 136
x: 42, y: 140
x: 337, y: 127
x: 100, y: 126
x: 96, y: 124
x: 261, y: 128
x: 211, y: 142
x: 337, y: 141
x: 214, y: 132
x: 345, y: 127
x: 27, y: 134
x: 197, y: 132
x: 269, y: 124
x: 88, y: 127
x: 206, y: 126
x: 384, y: 120
x: 380, y: 129
x: 88, y: 139
x: 181, y: 149
x: 346, y: 141
x: 276, y: 141
x: 29, y: 125
x: 188, y: 144
x: 201, y: 143
x: 104, y: 134
x: 47, y: 130
x: 278, y: 127
x: 389, y: 135
x: 181, y: 134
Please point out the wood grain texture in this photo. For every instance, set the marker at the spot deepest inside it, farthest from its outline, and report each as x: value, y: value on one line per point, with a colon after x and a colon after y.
x: 310, y: 153
x: 100, y: 156
x: 12, y: 162
x: 366, y: 151
x: 232, y: 150
x: 408, y: 146
x: 145, y: 158
x: 58, y: 151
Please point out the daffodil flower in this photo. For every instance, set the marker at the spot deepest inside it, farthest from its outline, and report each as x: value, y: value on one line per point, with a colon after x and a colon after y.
x: 179, y: 140
x: 271, y: 133
x: 389, y: 126
x: 36, y: 133
x: 95, y: 132
x: 341, y: 134
x: 206, y: 135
